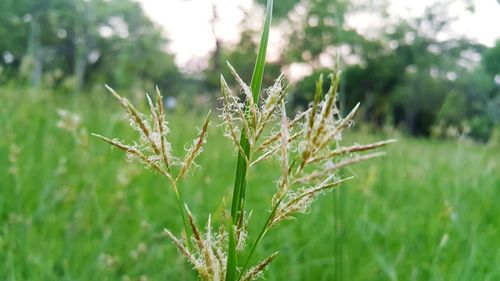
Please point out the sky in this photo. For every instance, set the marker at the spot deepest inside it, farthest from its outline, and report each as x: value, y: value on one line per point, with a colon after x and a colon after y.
x: 187, y: 22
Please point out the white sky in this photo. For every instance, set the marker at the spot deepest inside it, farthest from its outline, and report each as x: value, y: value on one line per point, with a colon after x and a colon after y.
x: 187, y: 22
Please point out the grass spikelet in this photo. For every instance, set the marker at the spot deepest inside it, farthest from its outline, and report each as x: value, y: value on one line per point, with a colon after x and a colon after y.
x: 196, y: 149
x: 133, y: 151
x: 334, y: 134
x: 283, y: 182
x: 326, y: 118
x: 275, y: 137
x: 269, y: 109
x: 248, y: 96
x: 162, y: 129
x: 314, y: 108
x: 256, y: 271
x: 230, y: 104
x: 202, y: 247
x: 185, y: 251
x: 353, y: 160
x: 351, y: 149
x: 284, y: 143
x: 152, y: 139
x: 300, y: 202
x: 233, y: 113
x: 241, y: 231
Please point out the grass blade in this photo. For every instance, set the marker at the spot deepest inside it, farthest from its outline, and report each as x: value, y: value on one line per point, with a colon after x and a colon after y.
x: 260, y: 62
x: 241, y: 168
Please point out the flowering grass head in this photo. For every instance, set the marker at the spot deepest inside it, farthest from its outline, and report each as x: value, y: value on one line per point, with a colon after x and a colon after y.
x: 307, y: 147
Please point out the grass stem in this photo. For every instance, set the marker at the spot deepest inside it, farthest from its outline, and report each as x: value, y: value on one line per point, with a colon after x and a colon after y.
x: 242, y: 165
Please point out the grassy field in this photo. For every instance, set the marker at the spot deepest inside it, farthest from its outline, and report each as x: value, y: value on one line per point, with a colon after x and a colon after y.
x: 73, y: 209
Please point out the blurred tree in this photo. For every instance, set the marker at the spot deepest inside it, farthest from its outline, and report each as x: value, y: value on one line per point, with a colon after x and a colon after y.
x: 409, y: 75
x: 14, y: 45
x: 75, y: 44
x: 414, y: 80
x: 312, y: 28
x: 491, y: 60
x: 242, y: 56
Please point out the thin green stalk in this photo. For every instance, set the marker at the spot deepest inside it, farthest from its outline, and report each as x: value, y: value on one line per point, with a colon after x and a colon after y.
x: 231, y: 255
x: 241, y: 168
x: 240, y: 179
x: 180, y: 204
x: 236, y: 211
x: 262, y: 233
x: 338, y: 217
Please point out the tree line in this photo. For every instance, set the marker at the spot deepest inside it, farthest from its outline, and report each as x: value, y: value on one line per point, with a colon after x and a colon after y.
x: 406, y: 75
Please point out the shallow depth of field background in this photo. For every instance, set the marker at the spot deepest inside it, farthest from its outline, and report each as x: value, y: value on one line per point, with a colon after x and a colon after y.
x: 72, y: 208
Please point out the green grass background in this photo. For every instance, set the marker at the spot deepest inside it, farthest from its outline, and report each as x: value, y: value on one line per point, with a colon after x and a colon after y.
x: 429, y: 210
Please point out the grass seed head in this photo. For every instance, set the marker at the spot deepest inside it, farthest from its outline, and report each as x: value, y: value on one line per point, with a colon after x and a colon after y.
x: 307, y: 147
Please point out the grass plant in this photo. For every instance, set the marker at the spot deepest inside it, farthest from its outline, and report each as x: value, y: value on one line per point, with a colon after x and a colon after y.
x: 307, y: 147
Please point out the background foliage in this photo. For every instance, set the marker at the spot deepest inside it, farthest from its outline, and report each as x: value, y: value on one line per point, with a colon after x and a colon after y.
x: 72, y: 209
x: 404, y: 76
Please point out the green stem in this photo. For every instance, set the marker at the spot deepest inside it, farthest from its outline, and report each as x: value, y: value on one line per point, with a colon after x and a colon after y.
x: 180, y: 204
x: 262, y: 233
x: 239, y: 189
x: 240, y: 180
x: 236, y: 208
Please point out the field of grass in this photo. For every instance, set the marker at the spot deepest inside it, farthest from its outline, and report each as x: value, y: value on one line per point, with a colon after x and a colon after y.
x: 71, y: 208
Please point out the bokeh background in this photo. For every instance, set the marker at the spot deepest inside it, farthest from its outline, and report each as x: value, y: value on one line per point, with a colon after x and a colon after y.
x: 425, y: 72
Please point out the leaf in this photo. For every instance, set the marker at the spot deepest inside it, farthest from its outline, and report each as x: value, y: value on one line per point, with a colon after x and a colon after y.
x: 241, y: 168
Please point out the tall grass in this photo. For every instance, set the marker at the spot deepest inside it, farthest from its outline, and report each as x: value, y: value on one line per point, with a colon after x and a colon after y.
x: 426, y: 211
x: 307, y: 146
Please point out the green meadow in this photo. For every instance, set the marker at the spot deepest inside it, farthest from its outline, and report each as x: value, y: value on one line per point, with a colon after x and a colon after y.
x: 72, y: 208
